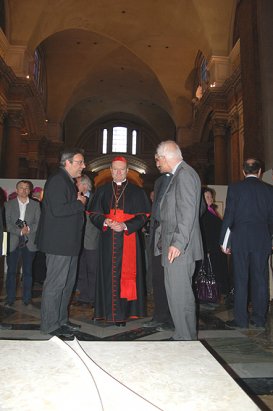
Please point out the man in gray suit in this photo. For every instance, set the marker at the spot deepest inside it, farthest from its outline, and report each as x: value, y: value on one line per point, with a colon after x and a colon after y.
x: 179, y: 239
x: 22, y: 218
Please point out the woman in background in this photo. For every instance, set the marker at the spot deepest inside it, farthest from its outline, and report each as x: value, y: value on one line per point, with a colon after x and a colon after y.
x: 211, y: 223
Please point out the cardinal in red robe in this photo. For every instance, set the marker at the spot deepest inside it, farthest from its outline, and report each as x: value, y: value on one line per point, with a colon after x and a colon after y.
x: 120, y: 209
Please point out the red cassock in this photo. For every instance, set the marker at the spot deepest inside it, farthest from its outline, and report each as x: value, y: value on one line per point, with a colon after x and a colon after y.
x: 120, y: 287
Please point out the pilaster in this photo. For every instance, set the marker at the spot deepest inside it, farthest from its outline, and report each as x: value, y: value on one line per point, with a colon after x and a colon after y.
x: 15, y: 121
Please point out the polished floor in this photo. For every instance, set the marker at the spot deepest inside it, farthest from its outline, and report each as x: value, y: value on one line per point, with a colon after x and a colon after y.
x: 247, y: 355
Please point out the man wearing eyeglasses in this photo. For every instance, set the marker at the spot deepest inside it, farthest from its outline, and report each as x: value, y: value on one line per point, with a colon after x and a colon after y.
x: 59, y: 235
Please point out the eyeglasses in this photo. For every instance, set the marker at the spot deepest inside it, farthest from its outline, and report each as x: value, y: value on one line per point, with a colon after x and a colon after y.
x: 157, y: 157
x: 78, y: 161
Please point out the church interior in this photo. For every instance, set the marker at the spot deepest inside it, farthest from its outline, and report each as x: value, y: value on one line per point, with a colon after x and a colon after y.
x: 117, y: 77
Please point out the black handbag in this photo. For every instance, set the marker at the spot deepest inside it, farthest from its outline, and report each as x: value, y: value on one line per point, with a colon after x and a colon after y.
x: 206, y: 289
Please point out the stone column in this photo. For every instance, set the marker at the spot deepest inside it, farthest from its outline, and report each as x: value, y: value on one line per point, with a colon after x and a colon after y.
x: 219, y: 127
x: 256, y: 30
x: 3, y: 114
x: 15, y: 119
x: 265, y: 35
x: 33, y: 168
x: 250, y: 74
x: 33, y: 156
x: 235, y: 164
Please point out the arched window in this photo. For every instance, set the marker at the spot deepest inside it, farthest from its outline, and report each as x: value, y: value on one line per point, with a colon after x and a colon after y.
x: 134, y: 142
x: 201, y: 81
x: 119, y: 139
x: 104, y: 141
x: 39, y: 72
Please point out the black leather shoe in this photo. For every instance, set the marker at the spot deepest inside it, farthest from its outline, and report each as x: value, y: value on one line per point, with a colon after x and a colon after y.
x: 5, y: 327
x: 152, y: 324
x: 254, y: 326
x: 62, y: 332
x: 232, y: 325
x: 165, y: 327
x: 8, y: 305
x: 120, y: 324
x: 28, y: 303
x: 71, y: 327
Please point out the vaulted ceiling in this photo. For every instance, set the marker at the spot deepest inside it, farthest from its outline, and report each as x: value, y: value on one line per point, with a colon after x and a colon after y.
x: 121, y: 56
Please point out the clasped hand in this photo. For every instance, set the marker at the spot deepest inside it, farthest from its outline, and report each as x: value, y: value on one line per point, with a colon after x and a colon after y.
x: 115, y: 225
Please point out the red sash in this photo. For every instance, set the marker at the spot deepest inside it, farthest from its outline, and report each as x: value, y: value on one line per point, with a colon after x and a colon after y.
x: 128, y: 268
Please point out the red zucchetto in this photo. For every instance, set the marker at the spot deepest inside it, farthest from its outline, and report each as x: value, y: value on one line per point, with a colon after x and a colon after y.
x: 119, y: 158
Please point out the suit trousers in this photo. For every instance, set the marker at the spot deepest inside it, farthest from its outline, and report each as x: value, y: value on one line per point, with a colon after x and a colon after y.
x: 87, y: 272
x: 161, y: 306
x: 250, y: 268
x: 57, y: 290
x: 178, y: 284
x: 12, y: 263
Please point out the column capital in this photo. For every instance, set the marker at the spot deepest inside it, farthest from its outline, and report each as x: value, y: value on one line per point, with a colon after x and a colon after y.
x: 234, y: 122
x: 219, y: 125
x: 3, y: 114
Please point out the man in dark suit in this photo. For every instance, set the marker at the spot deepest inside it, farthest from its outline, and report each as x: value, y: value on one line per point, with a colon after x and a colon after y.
x: 22, y: 218
x: 59, y: 236
x: 178, y: 239
x: 88, y: 259
x: 162, y: 319
x: 249, y: 216
x: 2, y: 326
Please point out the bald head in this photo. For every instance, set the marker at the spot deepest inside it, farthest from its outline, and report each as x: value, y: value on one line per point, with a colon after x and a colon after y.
x: 252, y: 166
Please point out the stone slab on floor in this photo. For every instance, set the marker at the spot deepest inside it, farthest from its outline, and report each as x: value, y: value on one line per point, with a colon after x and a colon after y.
x: 115, y: 376
x: 172, y: 375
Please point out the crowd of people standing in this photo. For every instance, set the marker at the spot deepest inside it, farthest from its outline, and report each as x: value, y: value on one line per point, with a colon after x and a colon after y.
x: 93, y: 243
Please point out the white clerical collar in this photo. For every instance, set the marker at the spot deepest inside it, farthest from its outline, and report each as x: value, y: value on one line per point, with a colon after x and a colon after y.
x: 119, y: 183
x: 175, y: 167
x: 252, y: 175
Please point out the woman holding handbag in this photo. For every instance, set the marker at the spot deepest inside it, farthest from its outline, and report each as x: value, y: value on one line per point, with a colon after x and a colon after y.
x: 216, y: 263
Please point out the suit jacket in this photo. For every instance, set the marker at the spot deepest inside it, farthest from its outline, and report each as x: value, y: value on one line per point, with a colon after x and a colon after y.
x: 32, y: 216
x: 62, y: 217
x: 249, y: 215
x: 91, y: 232
x: 160, y: 187
x: 1, y: 230
x: 179, y: 212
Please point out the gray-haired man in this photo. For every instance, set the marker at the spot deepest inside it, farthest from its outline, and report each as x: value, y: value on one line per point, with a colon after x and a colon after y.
x: 88, y: 260
x: 179, y: 238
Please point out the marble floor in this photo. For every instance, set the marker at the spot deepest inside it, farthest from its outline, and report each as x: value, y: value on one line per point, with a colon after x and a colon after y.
x: 246, y: 355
